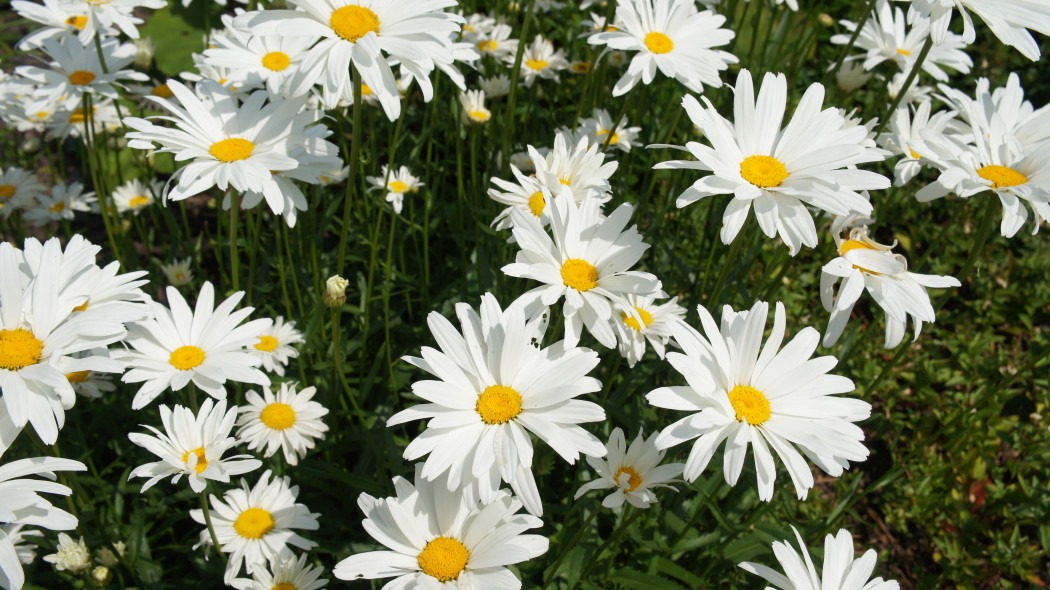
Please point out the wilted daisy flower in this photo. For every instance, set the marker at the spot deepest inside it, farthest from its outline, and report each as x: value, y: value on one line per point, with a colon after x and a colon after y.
x: 288, y: 574
x: 864, y: 264
x: 840, y: 570
x: 193, y: 445
x: 587, y: 262
x: 634, y: 472
x: 671, y: 36
x: 256, y: 525
x: 70, y: 556
x: 77, y: 70
x: 494, y: 384
x: 884, y: 38
x: 287, y: 420
x: 904, y: 133
x: 440, y: 538
x: 17, y: 186
x: 778, y: 172
x: 599, y: 128
x: 204, y: 345
x: 61, y: 204
x: 134, y: 195
x: 20, y: 502
x: 643, y: 319
x: 474, y: 111
x: 773, y: 398
x: 396, y: 185
x: 270, y: 61
x: 496, y: 86
x: 1009, y: 21
x: 417, y: 33
x: 540, y: 60
x: 275, y: 345
x: 178, y: 272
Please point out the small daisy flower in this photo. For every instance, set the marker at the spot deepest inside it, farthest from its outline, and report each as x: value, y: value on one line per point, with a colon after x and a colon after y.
x: 71, y: 123
x: 769, y: 398
x: 275, y: 345
x: 1026, y: 127
x: 494, y: 387
x: 1009, y: 21
x: 497, y: 43
x: 840, y: 571
x: 178, y: 272
x: 91, y: 384
x: 634, y: 472
x: 540, y: 60
x: 778, y: 172
x: 601, y: 125
x: 135, y: 195
x: 204, y: 345
x: 61, y: 204
x: 574, y: 166
x: 495, y: 86
x: 396, y: 185
x: 526, y: 194
x: 287, y: 420
x: 864, y: 264
x: 17, y: 187
x: 269, y: 61
x: 587, y: 262
x: 288, y: 574
x: 70, y: 556
x: 58, y: 17
x: 475, y: 25
x: 256, y: 525
x: 904, y: 133
x: 193, y: 445
x: 670, y: 36
x: 439, y: 538
x: 644, y: 320
x: 474, y: 111
x: 851, y: 77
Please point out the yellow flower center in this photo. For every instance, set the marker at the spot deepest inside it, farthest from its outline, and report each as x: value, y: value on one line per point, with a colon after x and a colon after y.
x: 498, y: 404
x: 634, y: 480
x: 136, y: 202
x: 579, y: 274
x: 185, y: 358
x: 77, y: 116
x: 647, y: 318
x: 278, y: 416
x: 284, y: 587
x: 763, y: 171
x: 77, y: 22
x: 253, y: 523
x: 365, y: 90
x: 82, y: 306
x: 658, y: 42
x: 162, y: 90
x: 353, y: 22
x: 77, y: 376
x: 444, y: 558
x: 914, y: 154
x: 202, y: 463
x: 80, y: 77
x: 1001, y: 176
x: 537, y: 64
x: 581, y: 67
x: 19, y: 348
x: 232, y: 149
x: 605, y: 132
x: 266, y: 344
x: 853, y: 245
x: 7, y: 191
x: 276, y: 61
x: 537, y: 203
x: 749, y: 404
x: 58, y: 207
x: 398, y: 187
x: 478, y: 116
x: 904, y: 52
x: 487, y: 45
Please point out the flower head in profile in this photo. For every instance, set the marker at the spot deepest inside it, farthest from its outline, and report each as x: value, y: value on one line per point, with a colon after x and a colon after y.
x: 779, y: 172
x: 632, y: 472
x: 905, y: 130
x: 441, y: 538
x: 839, y: 572
x: 287, y: 420
x: 540, y: 60
x: 642, y: 321
x: 70, y: 556
x: 193, y: 445
x: 276, y: 345
x: 746, y: 394
x: 178, y: 272
x: 135, y: 195
x: 474, y: 111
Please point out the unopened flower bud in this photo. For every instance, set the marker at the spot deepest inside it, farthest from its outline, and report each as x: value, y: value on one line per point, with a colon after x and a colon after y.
x: 144, y: 50
x: 825, y: 19
x: 335, y: 291
x: 101, y: 575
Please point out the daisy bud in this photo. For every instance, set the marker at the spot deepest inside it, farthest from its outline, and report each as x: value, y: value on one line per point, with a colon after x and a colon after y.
x: 335, y: 291
x: 144, y: 50
x: 825, y: 20
x: 851, y: 76
x: 101, y: 575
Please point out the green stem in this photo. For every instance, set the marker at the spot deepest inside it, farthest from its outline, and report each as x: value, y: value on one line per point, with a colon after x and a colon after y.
x: 508, y: 117
x: 564, y: 550
x: 235, y: 209
x: 211, y: 529
x: 355, y: 158
x: 914, y: 73
x: 614, y: 537
x: 727, y: 265
x: 852, y: 40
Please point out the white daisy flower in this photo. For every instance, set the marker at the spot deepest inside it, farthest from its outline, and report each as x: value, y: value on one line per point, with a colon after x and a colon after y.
x: 839, y: 572
x: 475, y: 25
x: 204, y: 345
x: 778, y: 171
x: 904, y: 133
x: 439, y: 538
x: 670, y: 36
x: 851, y: 76
x: 644, y: 320
x: 587, y: 262
x: 539, y: 60
x: 134, y: 195
x: 58, y: 17
x: 600, y: 126
x: 885, y: 38
x: 396, y: 184
x: 527, y: 194
x: 270, y: 61
x: 288, y: 574
x: 256, y: 525
x: 634, y: 472
x: 414, y: 32
x: 495, y: 86
x: 495, y: 385
x: 70, y: 123
x: 1025, y: 126
x: 17, y: 187
x: 70, y: 556
x: 288, y: 420
x: 864, y: 264
x: 178, y: 272
x: 773, y: 398
x: 916, y: 93
x: 275, y: 345
x: 474, y: 111
x: 1009, y: 20
x: 576, y: 166
x: 61, y: 204
x: 90, y: 384
x: 497, y: 42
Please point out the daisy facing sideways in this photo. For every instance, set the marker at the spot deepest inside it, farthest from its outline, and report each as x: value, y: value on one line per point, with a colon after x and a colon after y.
x: 439, y: 538
x: 778, y: 172
x: 285, y: 420
x: 767, y: 399
x: 632, y: 472
x: 276, y: 345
